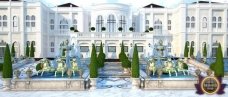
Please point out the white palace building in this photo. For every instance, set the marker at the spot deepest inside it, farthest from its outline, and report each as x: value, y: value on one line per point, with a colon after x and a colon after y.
x: 22, y: 22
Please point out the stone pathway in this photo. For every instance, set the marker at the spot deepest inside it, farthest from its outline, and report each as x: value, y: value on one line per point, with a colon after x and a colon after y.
x: 112, y: 76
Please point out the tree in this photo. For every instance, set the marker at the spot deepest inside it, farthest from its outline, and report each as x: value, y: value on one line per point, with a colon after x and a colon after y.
x: 32, y: 49
x: 192, y: 49
x: 72, y: 29
x: 186, y: 49
x: 93, y: 63
x: 135, y: 63
x: 120, y: 29
x: 205, y: 50
x: 27, y: 49
x: 13, y: 52
x: 76, y: 30
x: 101, y: 57
x: 7, y: 65
x: 131, y: 29
x: 103, y: 28
x: 218, y: 65
x: 92, y: 28
x: 151, y: 29
x: 146, y: 31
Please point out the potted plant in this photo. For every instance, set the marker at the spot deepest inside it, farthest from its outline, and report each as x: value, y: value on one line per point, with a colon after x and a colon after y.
x: 7, y: 72
x: 131, y: 29
x: 17, y: 73
x: 29, y: 72
x: 76, y: 30
x: 135, y: 68
x: 103, y: 28
x: 151, y: 29
x: 72, y: 29
x: 120, y: 29
x: 92, y: 28
x: 146, y: 31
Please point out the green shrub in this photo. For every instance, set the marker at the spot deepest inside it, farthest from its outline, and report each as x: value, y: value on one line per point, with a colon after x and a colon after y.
x: 120, y: 29
x: 72, y: 29
x: 7, y: 65
x: 38, y: 67
x: 101, y: 57
x: 27, y: 50
x: 185, y: 66
x: 63, y: 53
x: 151, y: 29
x: 92, y: 29
x: 191, y: 49
x: 93, y: 63
x: 205, y: 50
x: 147, y: 31
x: 135, y: 63
x: 13, y: 50
x: 218, y: 66
x: 32, y: 50
x: 103, y: 28
x: 131, y: 29
x: 186, y: 49
x: 1, y: 66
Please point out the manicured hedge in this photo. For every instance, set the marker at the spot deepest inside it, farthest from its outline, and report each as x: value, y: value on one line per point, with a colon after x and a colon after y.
x: 1, y: 64
x: 93, y: 63
x: 218, y: 65
x: 135, y: 63
x: 7, y: 71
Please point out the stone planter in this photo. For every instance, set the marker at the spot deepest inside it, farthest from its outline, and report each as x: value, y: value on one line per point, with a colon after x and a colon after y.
x: 17, y: 73
x: 93, y: 83
x: 135, y: 83
x: 6, y: 84
x: 125, y: 71
x: 29, y: 73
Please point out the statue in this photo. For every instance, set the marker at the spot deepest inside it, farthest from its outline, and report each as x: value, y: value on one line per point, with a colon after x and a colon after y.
x: 61, y: 67
x: 151, y: 67
x: 180, y: 67
x: 169, y: 67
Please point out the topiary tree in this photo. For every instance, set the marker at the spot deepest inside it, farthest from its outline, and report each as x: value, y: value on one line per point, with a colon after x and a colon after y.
x: 92, y: 29
x: 205, y: 50
x: 131, y: 29
x: 93, y: 63
x: 103, y: 29
x: 146, y: 31
x: 27, y: 50
x: 13, y: 52
x: 72, y: 29
x: 186, y: 49
x: 120, y: 29
x: 7, y: 65
x: 151, y: 29
x: 101, y: 57
x: 76, y: 30
x: 192, y: 49
x: 135, y: 63
x: 218, y: 66
x: 32, y: 50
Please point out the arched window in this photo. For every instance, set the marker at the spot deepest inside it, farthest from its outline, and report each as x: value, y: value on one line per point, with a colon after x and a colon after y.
x: 75, y: 24
x: 213, y: 22
x: 52, y: 24
x: 204, y: 23
x: 111, y: 22
x: 219, y: 22
x: 169, y: 47
x: 27, y: 21
x: 15, y: 21
x: 147, y: 24
x: 4, y: 21
x: 99, y: 23
x: 122, y: 22
x: 192, y: 22
x: 33, y: 19
x: 63, y: 24
x: 187, y: 22
x: 158, y: 26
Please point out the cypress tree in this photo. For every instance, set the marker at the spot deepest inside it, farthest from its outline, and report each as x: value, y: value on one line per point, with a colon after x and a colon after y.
x: 191, y: 49
x: 135, y: 63
x: 32, y: 50
x: 27, y: 50
x: 13, y: 52
x: 101, y: 56
x: 205, y: 50
x: 93, y: 63
x: 218, y: 66
x: 7, y: 65
x: 186, y: 49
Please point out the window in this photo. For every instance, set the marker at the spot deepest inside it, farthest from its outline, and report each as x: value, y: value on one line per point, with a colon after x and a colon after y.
x: 98, y: 48
x: 15, y: 21
x: 147, y: 25
x: 204, y: 23
x: 4, y: 21
x: 52, y: 44
x: 75, y: 24
x: 169, y: 47
x: 122, y: 22
x: 100, y: 23
x: 192, y: 22
x: 84, y: 48
x: 147, y: 22
x: 2, y: 49
x: 169, y: 24
x: 140, y: 48
x: 158, y: 26
x: 27, y: 21
x: 125, y: 48
x: 111, y: 23
x: 213, y: 22
x: 52, y: 49
x: 0, y: 21
x: 133, y: 25
x: 111, y: 49
x: 214, y: 48
x: 63, y: 24
x: 187, y: 22
x: 33, y: 19
x: 52, y: 24
x: 219, y: 22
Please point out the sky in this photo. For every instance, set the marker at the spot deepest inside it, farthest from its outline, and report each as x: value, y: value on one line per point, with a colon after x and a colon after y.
x: 134, y: 3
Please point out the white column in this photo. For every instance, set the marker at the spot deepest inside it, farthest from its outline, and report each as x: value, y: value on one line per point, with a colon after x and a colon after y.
x: 197, y: 25
x: 210, y: 20
x: 183, y: 34
x: 22, y: 28
x: 9, y: 22
x: 165, y: 22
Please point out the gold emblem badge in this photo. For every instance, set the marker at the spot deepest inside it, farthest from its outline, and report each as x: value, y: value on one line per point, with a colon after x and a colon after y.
x: 210, y: 85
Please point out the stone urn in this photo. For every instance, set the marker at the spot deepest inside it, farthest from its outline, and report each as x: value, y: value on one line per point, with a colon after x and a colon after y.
x: 69, y: 73
x: 6, y: 84
x: 80, y: 72
x: 29, y: 73
x: 17, y: 73
x: 93, y: 83
x: 135, y: 83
